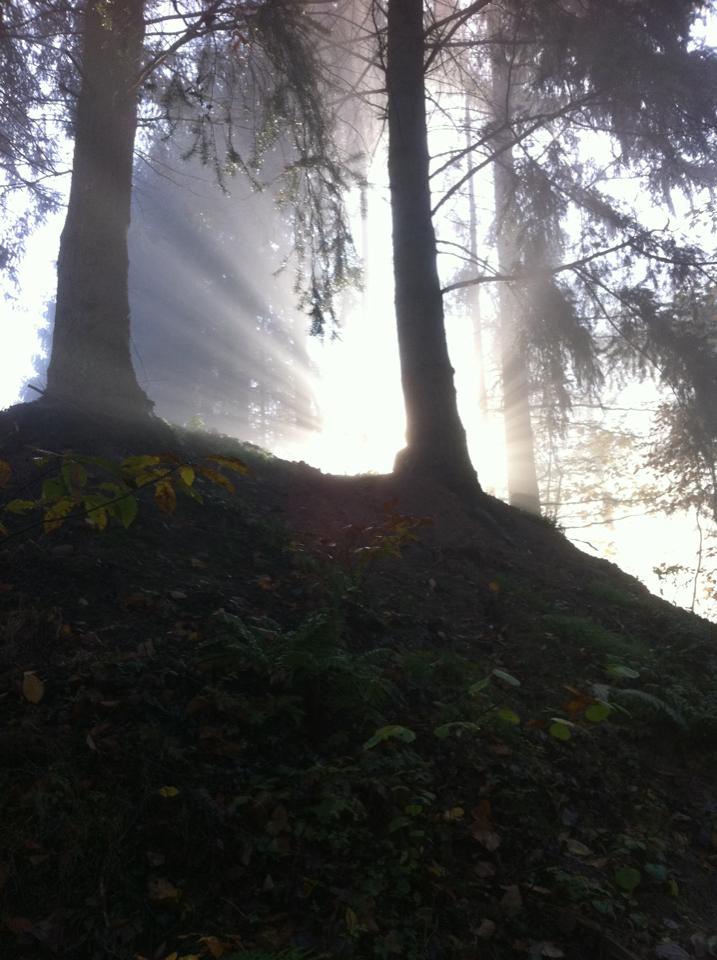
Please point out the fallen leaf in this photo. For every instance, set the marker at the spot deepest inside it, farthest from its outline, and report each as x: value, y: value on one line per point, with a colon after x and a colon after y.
x: 486, y: 929
x: 168, y: 792
x: 18, y: 925
x: 512, y: 900
x: 671, y: 951
x: 577, y: 848
x: 487, y: 838
x: 215, y: 946
x: 33, y: 689
x: 550, y: 950
x: 159, y: 889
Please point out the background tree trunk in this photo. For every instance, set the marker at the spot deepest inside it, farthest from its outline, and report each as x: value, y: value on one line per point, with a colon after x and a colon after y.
x: 519, y: 440
x: 90, y: 365
x: 436, y: 440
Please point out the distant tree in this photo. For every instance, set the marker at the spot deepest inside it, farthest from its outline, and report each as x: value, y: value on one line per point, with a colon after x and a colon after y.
x: 31, y: 64
x: 548, y: 102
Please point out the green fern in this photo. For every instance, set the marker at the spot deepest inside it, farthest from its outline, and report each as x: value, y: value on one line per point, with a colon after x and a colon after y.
x: 655, y: 704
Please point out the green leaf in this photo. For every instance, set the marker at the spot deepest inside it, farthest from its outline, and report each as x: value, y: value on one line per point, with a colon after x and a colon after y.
x: 560, y: 730
x: 53, y: 489
x: 506, y: 677
x: 125, y: 510
x: 458, y: 725
x: 508, y: 715
x: 391, y: 732
x: 622, y: 672
x: 74, y: 476
x: 658, y: 871
x: 20, y: 506
x: 103, y: 463
x: 627, y: 878
x: 479, y: 686
x: 597, y: 712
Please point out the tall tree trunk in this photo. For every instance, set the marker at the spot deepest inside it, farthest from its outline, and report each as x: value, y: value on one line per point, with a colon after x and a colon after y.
x: 436, y: 441
x: 90, y: 364
x: 519, y: 441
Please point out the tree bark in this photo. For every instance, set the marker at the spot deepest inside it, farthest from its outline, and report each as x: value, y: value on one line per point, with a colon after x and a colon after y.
x: 435, y: 438
x: 90, y: 364
x: 519, y: 440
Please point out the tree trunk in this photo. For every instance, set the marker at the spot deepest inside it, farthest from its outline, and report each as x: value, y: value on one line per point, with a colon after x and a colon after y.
x: 436, y: 441
x: 90, y: 364
x: 519, y: 441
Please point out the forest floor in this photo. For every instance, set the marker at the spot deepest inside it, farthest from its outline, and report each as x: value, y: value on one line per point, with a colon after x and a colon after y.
x: 342, y: 718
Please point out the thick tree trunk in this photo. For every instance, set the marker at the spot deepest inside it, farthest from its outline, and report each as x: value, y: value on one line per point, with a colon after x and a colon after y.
x: 90, y: 364
x: 436, y: 440
x: 519, y: 441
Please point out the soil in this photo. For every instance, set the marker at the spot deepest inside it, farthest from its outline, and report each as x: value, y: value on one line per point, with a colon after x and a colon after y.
x: 321, y: 716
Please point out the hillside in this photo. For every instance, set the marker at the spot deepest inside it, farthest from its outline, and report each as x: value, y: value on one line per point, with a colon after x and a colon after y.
x: 342, y: 717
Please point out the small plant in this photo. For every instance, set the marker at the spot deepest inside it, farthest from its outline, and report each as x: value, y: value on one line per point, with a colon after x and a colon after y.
x: 584, y: 632
x: 358, y: 546
x: 101, y: 490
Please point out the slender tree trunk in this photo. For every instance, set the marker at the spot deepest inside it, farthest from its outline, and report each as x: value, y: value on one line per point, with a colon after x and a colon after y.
x: 436, y: 441
x: 519, y: 441
x: 90, y: 365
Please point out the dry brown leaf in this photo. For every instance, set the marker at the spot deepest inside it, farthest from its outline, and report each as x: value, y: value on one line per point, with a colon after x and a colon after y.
x: 512, y: 900
x: 33, y: 689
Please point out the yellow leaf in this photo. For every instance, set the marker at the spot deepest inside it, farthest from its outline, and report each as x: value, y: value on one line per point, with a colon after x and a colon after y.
x: 20, y: 506
x: 165, y: 497
x: 160, y: 889
x: 136, y: 465
x: 5, y: 473
x: 168, y: 792
x: 351, y: 920
x: 231, y: 463
x: 33, y: 689
x: 187, y: 475
x: 214, y: 476
x: 56, y: 513
x: 96, y: 514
